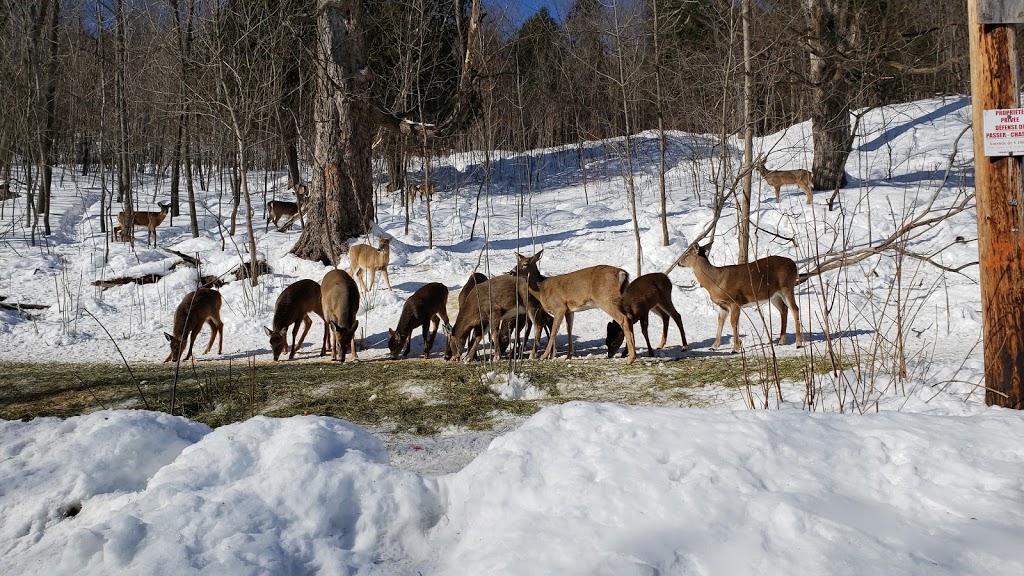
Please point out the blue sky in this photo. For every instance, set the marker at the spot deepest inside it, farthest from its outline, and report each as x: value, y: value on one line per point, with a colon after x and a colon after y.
x: 520, y: 10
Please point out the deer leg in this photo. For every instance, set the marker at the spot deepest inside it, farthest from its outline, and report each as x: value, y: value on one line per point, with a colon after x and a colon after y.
x: 722, y: 313
x: 734, y: 317
x: 664, y: 325
x: 307, y: 323
x: 679, y: 322
x: 478, y: 337
x: 552, y: 347
x: 359, y: 276
x: 192, y: 341
x: 386, y: 279
x: 780, y: 305
x: 428, y: 345
x: 644, y: 319
x: 213, y: 335
x: 809, y: 192
x: 627, y: 329
x: 568, y: 329
x: 791, y: 301
x: 326, y: 340
x: 778, y: 190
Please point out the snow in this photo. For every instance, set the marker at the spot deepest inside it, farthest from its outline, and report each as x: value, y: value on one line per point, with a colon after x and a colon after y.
x: 877, y: 473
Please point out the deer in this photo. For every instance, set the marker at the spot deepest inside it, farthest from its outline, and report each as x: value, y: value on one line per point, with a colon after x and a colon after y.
x: 366, y: 257
x: 731, y: 287
x: 148, y: 219
x: 648, y: 293
x: 562, y: 296
x: 340, y: 303
x: 277, y: 209
x: 197, y: 308
x: 486, y: 306
x: 6, y: 194
x: 426, y: 306
x: 779, y: 178
x: 422, y: 191
x: 293, y: 307
x: 511, y: 328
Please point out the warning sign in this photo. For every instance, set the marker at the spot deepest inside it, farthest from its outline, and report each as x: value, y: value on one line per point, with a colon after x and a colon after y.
x: 1003, y: 132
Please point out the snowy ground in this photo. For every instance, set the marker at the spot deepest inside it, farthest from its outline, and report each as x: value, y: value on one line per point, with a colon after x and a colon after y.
x: 886, y: 475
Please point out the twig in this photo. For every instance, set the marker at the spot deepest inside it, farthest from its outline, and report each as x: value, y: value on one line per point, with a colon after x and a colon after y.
x: 123, y: 359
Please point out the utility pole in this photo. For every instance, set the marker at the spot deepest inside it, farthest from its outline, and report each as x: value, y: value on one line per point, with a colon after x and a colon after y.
x: 999, y: 199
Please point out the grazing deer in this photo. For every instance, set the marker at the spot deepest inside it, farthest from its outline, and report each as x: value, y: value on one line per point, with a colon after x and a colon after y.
x: 563, y: 295
x: 511, y: 328
x: 340, y: 302
x: 648, y: 293
x: 366, y: 257
x: 731, y: 287
x: 779, y: 178
x: 485, y: 307
x: 148, y: 219
x: 294, y: 306
x: 428, y: 305
x: 199, y: 307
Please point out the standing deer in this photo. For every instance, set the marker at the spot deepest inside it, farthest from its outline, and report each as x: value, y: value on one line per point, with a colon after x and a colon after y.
x: 148, y: 219
x: 732, y: 287
x: 340, y: 301
x: 428, y: 305
x: 485, y: 307
x: 779, y: 178
x: 277, y: 209
x: 366, y: 257
x: 199, y: 307
x: 422, y: 191
x: 563, y: 295
x: 648, y: 293
x: 294, y: 306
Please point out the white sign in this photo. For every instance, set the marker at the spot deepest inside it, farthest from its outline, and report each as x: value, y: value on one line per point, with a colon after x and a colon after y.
x: 1003, y: 131
x: 1000, y: 11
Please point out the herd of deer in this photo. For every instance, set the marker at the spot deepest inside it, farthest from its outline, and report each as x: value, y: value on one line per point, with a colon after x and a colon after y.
x: 502, y: 306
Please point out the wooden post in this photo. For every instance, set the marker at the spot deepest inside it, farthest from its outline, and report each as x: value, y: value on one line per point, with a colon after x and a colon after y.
x: 999, y: 200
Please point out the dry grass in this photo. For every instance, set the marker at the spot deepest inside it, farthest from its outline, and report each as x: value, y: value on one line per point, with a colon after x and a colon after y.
x: 420, y: 396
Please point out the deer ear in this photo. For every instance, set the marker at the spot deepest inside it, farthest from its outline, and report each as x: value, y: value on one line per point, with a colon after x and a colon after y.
x: 168, y: 336
x: 355, y: 326
x: 269, y: 331
x: 391, y: 333
x: 537, y: 256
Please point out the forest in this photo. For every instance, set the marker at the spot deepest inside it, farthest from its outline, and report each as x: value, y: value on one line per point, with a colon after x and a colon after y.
x: 192, y: 90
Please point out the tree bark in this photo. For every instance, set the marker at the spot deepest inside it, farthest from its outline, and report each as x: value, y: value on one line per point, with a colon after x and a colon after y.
x: 341, y: 188
x: 830, y: 24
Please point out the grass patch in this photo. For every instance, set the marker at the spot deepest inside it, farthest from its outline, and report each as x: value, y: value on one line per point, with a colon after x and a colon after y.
x: 419, y: 396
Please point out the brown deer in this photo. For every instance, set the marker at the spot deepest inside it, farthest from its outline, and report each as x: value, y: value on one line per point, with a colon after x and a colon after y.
x: 340, y: 302
x: 779, y: 178
x: 294, y: 306
x: 199, y: 307
x: 485, y: 307
x: 366, y: 257
x: 563, y: 295
x: 422, y: 191
x: 428, y: 305
x: 732, y: 287
x: 277, y: 209
x: 474, y: 279
x: 648, y: 293
x: 148, y: 219
x: 511, y: 328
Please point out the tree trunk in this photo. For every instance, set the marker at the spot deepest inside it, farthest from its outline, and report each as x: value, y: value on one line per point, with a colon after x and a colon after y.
x: 341, y: 188
x: 748, y: 139
x: 830, y: 23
